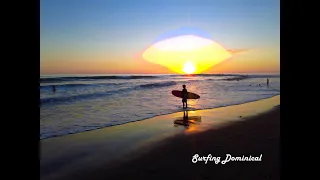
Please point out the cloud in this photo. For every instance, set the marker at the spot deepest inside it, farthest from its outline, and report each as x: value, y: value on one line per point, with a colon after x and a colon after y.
x: 237, y: 51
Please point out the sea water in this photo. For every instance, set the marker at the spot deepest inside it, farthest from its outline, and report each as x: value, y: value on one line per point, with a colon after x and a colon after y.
x: 87, y: 102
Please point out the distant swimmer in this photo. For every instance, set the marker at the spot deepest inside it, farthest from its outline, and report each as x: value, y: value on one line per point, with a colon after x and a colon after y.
x: 259, y: 84
x: 184, y: 96
x: 54, y: 88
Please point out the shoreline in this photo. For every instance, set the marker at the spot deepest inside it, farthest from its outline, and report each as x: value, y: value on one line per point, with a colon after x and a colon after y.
x: 178, y: 111
x: 81, y: 154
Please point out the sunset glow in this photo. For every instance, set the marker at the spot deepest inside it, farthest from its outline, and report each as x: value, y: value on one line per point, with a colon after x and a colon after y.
x: 199, y: 53
x: 142, y: 37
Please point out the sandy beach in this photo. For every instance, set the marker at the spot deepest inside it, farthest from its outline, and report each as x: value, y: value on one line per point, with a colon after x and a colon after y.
x: 158, y: 147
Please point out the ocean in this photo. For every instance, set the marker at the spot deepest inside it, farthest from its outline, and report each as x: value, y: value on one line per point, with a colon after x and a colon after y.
x: 86, y: 102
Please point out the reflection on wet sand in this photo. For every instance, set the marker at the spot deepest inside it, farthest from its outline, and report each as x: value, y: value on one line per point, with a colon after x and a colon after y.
x: 189, y: 122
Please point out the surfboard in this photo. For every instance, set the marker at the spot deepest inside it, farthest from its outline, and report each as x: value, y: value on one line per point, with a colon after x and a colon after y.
x: 190, y: 95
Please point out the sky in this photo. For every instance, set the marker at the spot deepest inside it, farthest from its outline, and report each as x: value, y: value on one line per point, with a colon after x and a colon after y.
x: 109, y: 37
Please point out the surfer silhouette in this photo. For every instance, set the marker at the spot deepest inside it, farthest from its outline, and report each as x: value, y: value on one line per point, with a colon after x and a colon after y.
x: 184, y: 97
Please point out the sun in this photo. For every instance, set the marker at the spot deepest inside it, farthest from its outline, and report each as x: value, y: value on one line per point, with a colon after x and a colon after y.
x: 189, y: 68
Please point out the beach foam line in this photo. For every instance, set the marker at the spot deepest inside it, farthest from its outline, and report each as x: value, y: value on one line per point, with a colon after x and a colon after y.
x: 63, y: 155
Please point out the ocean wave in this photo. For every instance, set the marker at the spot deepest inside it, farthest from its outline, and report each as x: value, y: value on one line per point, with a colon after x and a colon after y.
x: 265, y: 76
x: 64, y: 99
x: 238, y: 78
x: 242, y: 77
x: 163, y: 84
x: 235, y: 76
x: 78, y: 85
x: 92, y: 94
x: 128, y: 77
x: 63, y: 79
x: 100, y: 94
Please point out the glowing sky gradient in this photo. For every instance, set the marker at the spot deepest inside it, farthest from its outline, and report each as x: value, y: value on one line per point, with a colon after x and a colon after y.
x: 183, y: 53
x: 96, y: 36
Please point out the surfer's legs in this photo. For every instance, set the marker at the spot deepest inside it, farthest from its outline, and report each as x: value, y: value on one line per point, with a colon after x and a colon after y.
x: 183, y: 102
x: 185, y: 105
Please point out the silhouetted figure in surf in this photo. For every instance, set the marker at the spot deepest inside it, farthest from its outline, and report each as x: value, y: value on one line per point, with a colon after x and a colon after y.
x: 54, y: 88
x: 267, y: 82
x: 184, y: 96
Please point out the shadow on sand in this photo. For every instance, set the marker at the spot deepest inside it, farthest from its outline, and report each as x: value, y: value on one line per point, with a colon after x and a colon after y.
x: 187, y: 121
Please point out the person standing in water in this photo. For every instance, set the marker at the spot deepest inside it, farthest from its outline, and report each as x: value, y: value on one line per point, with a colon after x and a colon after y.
x: 184, y: 96
x: 54, y: 88
x: 267, y: 82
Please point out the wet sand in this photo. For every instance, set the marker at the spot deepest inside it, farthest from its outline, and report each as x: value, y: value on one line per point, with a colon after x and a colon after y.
x: 158, y: 148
